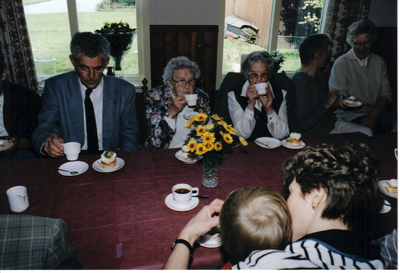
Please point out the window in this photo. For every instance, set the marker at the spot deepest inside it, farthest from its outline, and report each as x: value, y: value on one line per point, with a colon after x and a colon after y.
x: 52, y: 23
x: 270, y: 25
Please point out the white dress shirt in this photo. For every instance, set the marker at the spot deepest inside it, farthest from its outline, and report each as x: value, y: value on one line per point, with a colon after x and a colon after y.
x: 244, y: 120
x: 3, y: 131
x: 97, y: 99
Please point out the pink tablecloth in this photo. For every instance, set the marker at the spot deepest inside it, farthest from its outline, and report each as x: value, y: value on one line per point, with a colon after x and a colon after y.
x: 125, y: 210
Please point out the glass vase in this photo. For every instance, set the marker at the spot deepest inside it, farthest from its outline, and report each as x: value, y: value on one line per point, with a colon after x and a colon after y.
x: 210, y: 172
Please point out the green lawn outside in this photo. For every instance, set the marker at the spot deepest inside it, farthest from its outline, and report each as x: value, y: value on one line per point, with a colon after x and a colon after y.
x: 50, y: 36
x: 29, y: 2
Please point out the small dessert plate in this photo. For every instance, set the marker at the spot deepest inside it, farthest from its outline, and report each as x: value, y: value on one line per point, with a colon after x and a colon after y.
x: 210, y: 241
x: 386, y: 207
x: 7, y: 145
x: 381, y: 186
x: 352, y: 104
x: 74, y: 166
x: 172, y: 204
x: 188, y: 114
x: 268, y: 142
x: 179, y: 156
x: 291, y: 146
x: 98, y: 168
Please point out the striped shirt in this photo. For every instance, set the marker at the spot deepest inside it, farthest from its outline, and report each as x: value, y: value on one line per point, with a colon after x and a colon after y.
x: 306, y: 254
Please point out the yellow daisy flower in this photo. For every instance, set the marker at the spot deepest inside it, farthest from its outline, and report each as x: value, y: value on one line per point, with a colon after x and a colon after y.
x: 221, y: 122
x: 230, y: 129
x: 208, y: 138
x: 227, y: 138
x: 192, y: 145
x: 200, y: 117
x: 208, y: 146
x: 200, y: 130
x: 200, y: 150
x: 209, y: 127
x: 216, y: 117
x: 218, y: 146
x: 243, y: 141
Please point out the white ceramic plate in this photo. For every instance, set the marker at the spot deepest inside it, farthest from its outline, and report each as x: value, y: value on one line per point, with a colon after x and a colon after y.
x: 381, y: 185
x: 172, y: 204
x: 355, y: 104
x: 97, y: 166
x: 7, y: 145
x: 291, y: 146
x: 268, y: 142
x: 74, y: 166
x: 180, y: 157
x: 210, y: 241
x: 188, y: 114
x: 386, y: 207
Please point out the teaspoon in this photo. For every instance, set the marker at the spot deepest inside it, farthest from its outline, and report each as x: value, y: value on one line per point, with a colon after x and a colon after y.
x: 71, y: 172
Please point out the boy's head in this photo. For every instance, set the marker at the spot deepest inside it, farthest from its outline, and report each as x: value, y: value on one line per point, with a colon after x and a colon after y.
x: 254, y: 218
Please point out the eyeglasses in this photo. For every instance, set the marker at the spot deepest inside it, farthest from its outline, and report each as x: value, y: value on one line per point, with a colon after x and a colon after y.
x: 366, y: 43
x: 183, y: 83
x: 255, y: 75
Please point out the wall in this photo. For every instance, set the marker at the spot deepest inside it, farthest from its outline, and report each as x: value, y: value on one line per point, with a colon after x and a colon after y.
x: 383, y: 13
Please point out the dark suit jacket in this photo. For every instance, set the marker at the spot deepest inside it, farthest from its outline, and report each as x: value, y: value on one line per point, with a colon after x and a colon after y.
x: 32, y: 242
x: 21, y: 108
x: 62, y: 113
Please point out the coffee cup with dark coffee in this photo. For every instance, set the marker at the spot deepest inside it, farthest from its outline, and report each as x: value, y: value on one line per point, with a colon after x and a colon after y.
x: 182, y: 193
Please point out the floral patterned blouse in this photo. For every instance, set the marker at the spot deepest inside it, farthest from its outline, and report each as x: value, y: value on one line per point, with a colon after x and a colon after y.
x: 157, y: 101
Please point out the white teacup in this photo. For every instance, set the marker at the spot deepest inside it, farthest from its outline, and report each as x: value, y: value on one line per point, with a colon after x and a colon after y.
x: 261, y: 88
x: 18, y: 198
x: 182, y: 193
x: 72, y: 150
x: 191, y: 99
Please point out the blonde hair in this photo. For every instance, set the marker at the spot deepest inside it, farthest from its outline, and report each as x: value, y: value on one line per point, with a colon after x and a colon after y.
x: 254, y: 218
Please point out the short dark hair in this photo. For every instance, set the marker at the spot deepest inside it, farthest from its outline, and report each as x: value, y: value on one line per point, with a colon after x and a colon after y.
x: 91, y: 45
x: 256, y: 56
x: 312, y: 45
x: 348, y: 173
x: 254, y: 218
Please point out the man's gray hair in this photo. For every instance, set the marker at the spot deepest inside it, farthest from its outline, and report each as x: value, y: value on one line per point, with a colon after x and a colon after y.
x: 91, y: 45
x: 363, y: 26
x: 180, y: 62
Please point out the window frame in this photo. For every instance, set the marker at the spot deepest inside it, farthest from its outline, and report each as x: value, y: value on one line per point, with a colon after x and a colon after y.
x: 143, y: 39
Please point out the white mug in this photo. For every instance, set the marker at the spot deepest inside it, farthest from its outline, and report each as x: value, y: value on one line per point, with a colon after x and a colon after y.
x: 72, y: 150
x: 191, y: 99
x: 182, y: 193
x: 18, y: 198
x: 261, y: 88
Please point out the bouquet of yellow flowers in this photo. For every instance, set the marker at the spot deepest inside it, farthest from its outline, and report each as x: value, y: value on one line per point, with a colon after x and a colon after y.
x: 211, y: 141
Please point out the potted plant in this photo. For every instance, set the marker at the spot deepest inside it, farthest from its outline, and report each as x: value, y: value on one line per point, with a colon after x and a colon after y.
x: 120, y: 36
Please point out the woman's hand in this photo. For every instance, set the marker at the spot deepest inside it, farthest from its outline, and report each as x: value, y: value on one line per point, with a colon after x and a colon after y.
x: 267, y: 100
x: 203, y: 222
x: 252, y: 95
x: 177, y: 106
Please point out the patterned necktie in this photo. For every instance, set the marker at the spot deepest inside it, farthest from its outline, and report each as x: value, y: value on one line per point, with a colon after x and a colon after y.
x: 91, y: 129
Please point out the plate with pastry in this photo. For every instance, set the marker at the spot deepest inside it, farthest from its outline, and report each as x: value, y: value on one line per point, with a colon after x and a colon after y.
x: 108, y: 162
x: 352, y: 102
x: 268, y: 142
x: 5, y: 145
x: 187, y: 157
x: 388, y: 187
x: 293, y: 141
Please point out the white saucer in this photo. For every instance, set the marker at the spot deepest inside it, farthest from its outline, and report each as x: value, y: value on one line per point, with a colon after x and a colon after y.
x: 188, y: 114
x: 354, y: 105
x: 97, y: 166
x: 73, y: 166
x: 172, y: 204
x: 268, y: 142
x: 210, y: 241
x: 386, y: 207
x: 7, y: 145
x: 179, y: 156
x: 381, y: 186
x: 291, y: 146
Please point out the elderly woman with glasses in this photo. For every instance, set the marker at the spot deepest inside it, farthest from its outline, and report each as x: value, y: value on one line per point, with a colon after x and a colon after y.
x: 166, y: 106
x: 363, y: 74
x: 255, y: 115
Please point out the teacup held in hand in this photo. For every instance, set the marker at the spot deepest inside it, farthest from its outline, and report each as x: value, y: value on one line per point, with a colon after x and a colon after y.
x: 72, y: 150
x: 261, y: 88
x: 191, y: 99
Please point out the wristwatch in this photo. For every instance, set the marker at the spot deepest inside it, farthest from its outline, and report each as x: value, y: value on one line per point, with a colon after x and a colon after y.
x: 168, y: 115
x: 186, y: 243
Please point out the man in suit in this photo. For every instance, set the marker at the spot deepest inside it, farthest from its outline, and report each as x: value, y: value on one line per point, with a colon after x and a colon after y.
x: 19, y: 108
x: 68, y: 98
x: 32, y: 242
